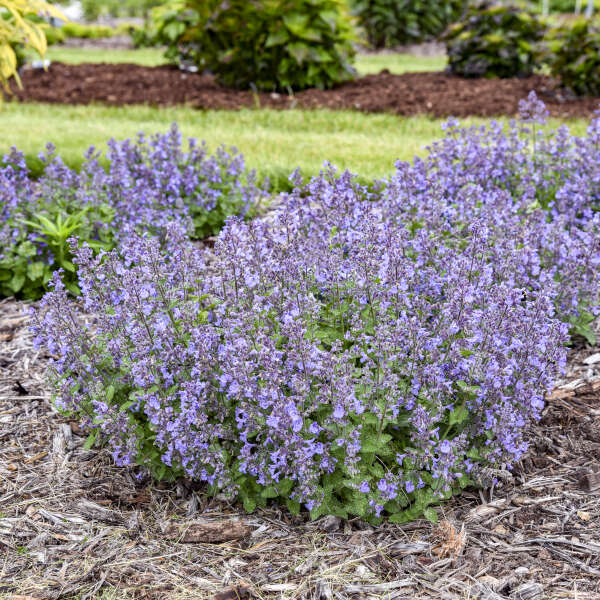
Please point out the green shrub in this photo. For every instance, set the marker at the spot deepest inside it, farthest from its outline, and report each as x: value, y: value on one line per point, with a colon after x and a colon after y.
x: 574, y: 57
x: 268, y: 44
x: 569, y: 6
x: 94, y: 9
x: 389, y: 23
x: 80, y: 30
x: 494, y: 41
x: 55, y: 35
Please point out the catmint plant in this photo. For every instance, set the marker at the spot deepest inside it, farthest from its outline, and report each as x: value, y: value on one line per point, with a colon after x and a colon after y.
x: 356, y: 351
x: 148, y: 183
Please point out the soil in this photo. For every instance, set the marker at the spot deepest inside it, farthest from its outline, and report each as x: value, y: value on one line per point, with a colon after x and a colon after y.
x: 72, y: 525
x: 436, y: 94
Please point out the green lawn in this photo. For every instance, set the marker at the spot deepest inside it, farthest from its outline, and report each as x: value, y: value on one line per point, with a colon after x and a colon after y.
x: 149, y: 57
x: 398, y: 63
x: 365, y: 63
x: 273, y: 142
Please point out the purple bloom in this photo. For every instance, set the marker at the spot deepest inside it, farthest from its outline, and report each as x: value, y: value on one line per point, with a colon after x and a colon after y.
x: 351, y: 335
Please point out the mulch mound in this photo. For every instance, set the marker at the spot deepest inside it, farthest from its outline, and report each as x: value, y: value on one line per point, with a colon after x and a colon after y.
x: 437, y: 94
x: 72, y: 525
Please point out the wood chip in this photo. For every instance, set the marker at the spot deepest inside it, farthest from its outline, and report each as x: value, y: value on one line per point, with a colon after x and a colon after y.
x: 36, y: 457
x: 592, y: 360
x: 207, y: 532
x: 590, y: 482
x: 234, y: 593
x: 378, y: 588
x: 484, y: 511
x: 528, y: 591
x: 99, y: 513
x: 483, y: 592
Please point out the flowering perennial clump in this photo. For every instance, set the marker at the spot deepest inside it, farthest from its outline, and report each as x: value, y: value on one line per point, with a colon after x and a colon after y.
x: 148, y: 183
x: 355, y: 352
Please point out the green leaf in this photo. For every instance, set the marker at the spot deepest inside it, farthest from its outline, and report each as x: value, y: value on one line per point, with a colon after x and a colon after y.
x: 35, y: 270
x: 269, y: 492
x: 284, y: 487
x: 376, y: 443
x: 110, y: 392
x: 249, y: 504
x: 16, y: 283
x: 300, y: 52
x: 293, y: 506
x: 296, y: 23
x: 459, y: 415
x: 90, y: 440
x: 277, y: 38
x: 431, y: 515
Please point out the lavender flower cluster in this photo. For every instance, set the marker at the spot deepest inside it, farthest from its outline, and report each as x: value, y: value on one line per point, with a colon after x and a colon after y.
x: 148, y: 183
x: 356, y: 352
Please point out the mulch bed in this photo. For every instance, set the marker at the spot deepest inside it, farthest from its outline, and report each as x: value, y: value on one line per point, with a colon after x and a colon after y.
x: 72, y: 525
x: 436, y: 94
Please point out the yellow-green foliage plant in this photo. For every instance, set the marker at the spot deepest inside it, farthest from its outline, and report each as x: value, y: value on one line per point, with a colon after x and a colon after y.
x: 19, y: 25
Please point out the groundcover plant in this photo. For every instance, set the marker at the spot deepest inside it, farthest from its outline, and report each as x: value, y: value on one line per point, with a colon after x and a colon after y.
x: 356, y: 352
x: 148, y: 183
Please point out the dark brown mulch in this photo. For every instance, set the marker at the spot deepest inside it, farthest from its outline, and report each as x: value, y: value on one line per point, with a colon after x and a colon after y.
x: 72, y: 525
x: 436, y: 94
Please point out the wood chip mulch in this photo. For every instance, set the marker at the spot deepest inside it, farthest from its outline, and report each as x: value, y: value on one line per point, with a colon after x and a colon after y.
x: 72, y: 525
x: 437, y: 94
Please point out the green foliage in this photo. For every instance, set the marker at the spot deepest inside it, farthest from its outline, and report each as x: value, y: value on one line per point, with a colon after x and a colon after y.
x: 20, y: 29
x: 574, y: 57
x: 389, y: 23
x: 567, y: 6
x: 41, y: 246
x: 583, y: 325
x: 94, y: 9
x: 494, y: 41
x: 80, y: 30
x: 266, y: 44
x: 55, y: 35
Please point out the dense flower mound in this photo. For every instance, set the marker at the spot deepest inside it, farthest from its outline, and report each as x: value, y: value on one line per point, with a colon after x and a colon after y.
x: 356, y: 352
x: 148, y: 183
x: 545, y: 184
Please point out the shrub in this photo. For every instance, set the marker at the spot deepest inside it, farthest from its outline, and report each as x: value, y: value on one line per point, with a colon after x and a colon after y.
x: 568, y: 6
x: 269, y: 44
x: 358, y: 353
x: 94, y: 9
x: 494, y: 41
x: 148, y: 184
x: 18, y: 28
x: 389, y: 23
x: 55, y: 35
x: 574, y: 57
x: 82, y: 31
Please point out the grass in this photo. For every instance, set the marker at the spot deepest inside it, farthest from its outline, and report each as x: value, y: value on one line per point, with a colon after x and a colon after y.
x: 398, y: 63
x: 151, y: 57
x: 273, y: 142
